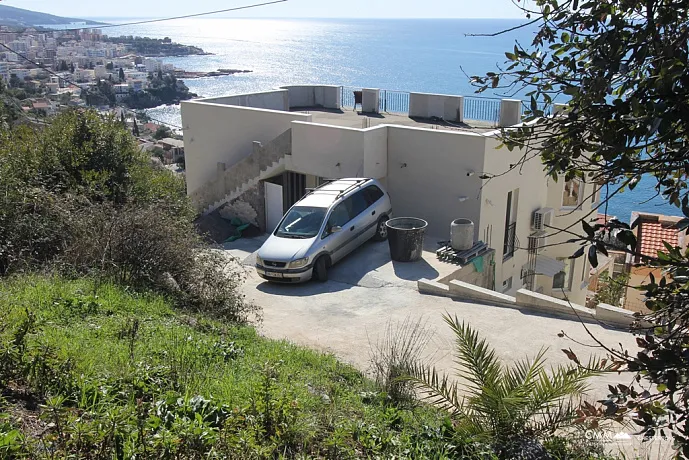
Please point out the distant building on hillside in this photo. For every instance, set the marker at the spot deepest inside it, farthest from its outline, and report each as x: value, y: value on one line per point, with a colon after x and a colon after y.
x: 174, y: 149
x: 652, y: 230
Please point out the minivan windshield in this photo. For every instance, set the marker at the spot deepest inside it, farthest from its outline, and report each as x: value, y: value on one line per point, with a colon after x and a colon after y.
x: 301, y: 222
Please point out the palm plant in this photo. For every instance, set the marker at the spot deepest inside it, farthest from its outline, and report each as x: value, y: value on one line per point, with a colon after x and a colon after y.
x: 509, y: 407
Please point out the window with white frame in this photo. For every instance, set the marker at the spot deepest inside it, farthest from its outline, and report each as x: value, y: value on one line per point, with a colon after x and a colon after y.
x: 507, y: 284
x: 563, y: 279
x: 572, y: 194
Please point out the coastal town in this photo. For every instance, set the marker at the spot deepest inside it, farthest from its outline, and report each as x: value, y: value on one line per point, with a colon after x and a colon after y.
x: 49, y: 71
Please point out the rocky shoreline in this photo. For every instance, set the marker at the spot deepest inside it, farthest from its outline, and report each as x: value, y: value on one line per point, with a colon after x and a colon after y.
x: 218, y: 73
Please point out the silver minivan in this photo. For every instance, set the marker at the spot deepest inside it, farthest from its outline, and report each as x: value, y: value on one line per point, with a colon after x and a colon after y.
x: 323, y: 227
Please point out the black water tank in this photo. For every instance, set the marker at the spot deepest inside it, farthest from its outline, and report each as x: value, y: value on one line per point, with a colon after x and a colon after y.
x: 405, y: 237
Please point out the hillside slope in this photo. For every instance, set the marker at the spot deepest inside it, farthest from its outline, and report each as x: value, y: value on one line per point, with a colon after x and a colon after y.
x: 11, y: 16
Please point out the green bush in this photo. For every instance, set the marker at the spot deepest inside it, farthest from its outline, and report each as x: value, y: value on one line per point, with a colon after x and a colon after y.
x: 80, y: 197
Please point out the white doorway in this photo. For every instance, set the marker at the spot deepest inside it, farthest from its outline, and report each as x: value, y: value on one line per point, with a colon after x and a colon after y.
x: 274, y: 207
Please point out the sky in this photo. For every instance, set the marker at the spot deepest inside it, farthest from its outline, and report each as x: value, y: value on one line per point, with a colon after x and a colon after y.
x: 292, y: 8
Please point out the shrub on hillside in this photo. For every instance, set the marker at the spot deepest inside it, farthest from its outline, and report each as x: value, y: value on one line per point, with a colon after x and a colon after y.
x: 80, y: 196
x: 149, y: 248
x: 34, y: 227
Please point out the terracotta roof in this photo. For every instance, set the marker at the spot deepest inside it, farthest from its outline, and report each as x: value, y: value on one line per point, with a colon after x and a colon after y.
x: 151, y: 126
x: 652, y: 234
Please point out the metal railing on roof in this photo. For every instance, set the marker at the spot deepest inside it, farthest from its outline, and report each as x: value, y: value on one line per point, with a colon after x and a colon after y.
x: 485, y: 109
x: 482, y: 109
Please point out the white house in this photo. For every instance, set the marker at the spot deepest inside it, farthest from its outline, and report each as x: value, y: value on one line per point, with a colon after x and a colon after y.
x: 121, y: 91
x: 432, y: 158
x: 153, y: 65
x: 5, y: 71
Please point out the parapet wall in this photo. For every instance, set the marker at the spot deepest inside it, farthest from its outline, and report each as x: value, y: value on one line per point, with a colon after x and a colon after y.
x: 449, y: 108
x: 531, y: 301
x: 326, y: 96
x: 271, y: 100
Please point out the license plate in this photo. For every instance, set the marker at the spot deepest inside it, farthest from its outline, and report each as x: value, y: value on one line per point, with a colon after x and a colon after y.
x: 274, y: 274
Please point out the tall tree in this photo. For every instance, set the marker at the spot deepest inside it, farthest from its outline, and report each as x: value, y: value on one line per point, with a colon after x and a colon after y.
x: 122, y: 76
x: 135, y: 129
x: 620, y: 66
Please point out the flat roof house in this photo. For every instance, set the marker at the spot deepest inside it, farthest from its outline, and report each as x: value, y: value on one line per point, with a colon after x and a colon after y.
x: 431, y: 151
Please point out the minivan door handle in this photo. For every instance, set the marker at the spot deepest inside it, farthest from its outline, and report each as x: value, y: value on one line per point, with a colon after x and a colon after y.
x: 352, y: 229
x: 373, y: 213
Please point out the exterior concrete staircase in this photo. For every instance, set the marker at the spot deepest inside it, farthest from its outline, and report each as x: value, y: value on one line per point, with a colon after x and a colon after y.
x: 264, y: 161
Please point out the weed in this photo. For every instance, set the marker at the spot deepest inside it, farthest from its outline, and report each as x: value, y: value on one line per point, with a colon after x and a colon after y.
x: 393, y: 355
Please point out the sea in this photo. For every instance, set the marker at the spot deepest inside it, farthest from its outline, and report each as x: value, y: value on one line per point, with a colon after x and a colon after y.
x: 420, y: 55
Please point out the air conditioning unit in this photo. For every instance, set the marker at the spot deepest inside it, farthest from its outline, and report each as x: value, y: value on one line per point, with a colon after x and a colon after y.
x: 537, y: 242
x: 542, y: 219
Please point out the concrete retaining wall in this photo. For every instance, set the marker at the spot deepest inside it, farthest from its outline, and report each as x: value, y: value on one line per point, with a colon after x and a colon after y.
x: 423, y: 105
x: 551, y: 305
x: 469, y: 274
x: 464, y: 290
x: 326, y: 96
x: 614, y: 315
x: 531, y: 301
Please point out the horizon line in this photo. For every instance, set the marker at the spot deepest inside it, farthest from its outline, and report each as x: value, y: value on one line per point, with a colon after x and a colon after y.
x: 92, y: 18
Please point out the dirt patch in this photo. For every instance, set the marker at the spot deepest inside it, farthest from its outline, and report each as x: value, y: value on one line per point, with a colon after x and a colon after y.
x: 216, y: 229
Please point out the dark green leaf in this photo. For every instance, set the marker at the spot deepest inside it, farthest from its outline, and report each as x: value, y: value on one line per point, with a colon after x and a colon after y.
x: 593, y: 256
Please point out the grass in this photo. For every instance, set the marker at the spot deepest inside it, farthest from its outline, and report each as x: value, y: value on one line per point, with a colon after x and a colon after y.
x: 94, y: 371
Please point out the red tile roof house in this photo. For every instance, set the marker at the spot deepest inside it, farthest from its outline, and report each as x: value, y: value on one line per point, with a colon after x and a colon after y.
x: 43, y: 105
x: 151, y: 127
x: 651, y: 231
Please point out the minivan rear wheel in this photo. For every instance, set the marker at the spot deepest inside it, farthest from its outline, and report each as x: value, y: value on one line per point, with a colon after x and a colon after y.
x: 320, y: 269
x: 381, y: 229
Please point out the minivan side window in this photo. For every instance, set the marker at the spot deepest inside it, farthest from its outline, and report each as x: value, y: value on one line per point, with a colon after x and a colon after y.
x: 338, y: 217
x: 359, y: 204
x: 373, y: 194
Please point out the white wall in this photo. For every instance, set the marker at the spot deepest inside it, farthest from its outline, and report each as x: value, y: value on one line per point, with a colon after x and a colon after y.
x: 427, y: 175
x: 272, y: 100
x: 327, y: 96
x: 376, y: 152
x: 226, y: 134
x: 564, y: 218
x: 450, y: 108
x: 327, y: 151
x: 530, y: 181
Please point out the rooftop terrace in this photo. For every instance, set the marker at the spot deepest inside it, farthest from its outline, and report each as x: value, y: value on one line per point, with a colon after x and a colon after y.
x: 357, y: 119
x: 367, y: 108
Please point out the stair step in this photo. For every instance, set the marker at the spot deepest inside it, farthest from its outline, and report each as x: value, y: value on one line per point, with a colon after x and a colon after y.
x: 243, y: 187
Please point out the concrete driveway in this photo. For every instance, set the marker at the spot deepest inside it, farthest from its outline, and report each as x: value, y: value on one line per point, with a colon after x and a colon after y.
x: 366, y: 291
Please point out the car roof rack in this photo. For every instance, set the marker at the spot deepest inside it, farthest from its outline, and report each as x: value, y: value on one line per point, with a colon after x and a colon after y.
x: 357, y: 183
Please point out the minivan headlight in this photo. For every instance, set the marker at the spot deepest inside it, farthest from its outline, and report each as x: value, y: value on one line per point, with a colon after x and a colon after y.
x: 259, y: 261
x: 299, y: 263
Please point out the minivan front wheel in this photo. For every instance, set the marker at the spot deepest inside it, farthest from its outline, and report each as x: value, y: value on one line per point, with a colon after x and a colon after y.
x: 381, y: 229
x: 320, y: 269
